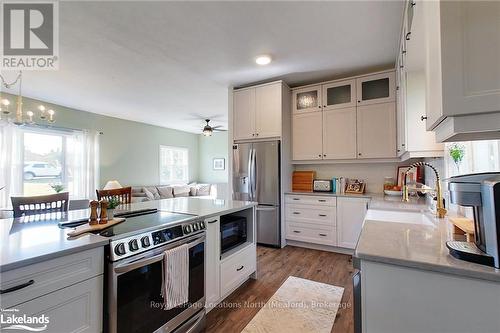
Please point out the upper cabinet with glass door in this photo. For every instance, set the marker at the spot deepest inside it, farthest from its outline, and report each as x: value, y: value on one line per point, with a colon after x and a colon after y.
x: 378, y: 88
x: 339, y: 95
x: 307, y: 99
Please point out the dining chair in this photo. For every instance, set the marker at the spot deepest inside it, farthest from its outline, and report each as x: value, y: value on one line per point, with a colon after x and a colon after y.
x: 123, y: 194
x: 40, y: 204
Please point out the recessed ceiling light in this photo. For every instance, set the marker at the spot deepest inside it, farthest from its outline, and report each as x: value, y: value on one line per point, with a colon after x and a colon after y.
x: 263, y: 60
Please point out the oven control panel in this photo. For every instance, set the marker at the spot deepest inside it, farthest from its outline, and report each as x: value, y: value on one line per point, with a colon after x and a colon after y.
x: 126, y: 247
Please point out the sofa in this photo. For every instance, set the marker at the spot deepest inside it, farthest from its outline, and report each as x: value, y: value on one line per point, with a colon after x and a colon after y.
x: 157, y: 192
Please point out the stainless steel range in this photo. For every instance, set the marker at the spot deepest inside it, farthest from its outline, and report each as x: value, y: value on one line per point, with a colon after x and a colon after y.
x: 134, y: 273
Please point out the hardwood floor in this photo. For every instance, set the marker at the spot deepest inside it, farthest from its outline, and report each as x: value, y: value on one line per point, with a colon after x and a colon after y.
x: 274, y: 266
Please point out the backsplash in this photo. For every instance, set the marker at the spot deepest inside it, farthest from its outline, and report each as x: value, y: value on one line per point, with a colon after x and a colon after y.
x: 372, y: 173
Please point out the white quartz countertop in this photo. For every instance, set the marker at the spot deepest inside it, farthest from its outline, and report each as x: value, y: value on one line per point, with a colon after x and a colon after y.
x: 419, y: 245
x: 24, y: 241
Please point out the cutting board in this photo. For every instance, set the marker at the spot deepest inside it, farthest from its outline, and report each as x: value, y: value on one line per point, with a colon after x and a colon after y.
x: 302, y: 181
x: 84, y: 228
x: 465, y: 225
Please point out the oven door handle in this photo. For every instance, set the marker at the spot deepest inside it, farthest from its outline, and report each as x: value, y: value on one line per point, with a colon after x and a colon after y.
x: 127, y: 267
x: 138, y: 263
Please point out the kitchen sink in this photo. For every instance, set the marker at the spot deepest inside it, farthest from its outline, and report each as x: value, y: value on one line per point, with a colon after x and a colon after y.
x: 399, y: 216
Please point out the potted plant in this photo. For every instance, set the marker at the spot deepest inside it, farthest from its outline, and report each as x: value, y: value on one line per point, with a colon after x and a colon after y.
x: 57, y: 187
x: 457, y: 153
x: 113, y: 202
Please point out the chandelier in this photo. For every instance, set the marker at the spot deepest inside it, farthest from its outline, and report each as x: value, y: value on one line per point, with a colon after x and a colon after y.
x: 20, y: 118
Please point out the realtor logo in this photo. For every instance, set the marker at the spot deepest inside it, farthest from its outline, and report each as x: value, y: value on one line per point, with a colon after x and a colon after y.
x: 29, y: 35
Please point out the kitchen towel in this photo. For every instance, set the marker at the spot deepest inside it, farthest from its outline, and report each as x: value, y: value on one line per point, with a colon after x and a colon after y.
x: 175, y: 284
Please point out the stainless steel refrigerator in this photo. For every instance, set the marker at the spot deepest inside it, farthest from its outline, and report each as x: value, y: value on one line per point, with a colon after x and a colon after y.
x: 256, y: 177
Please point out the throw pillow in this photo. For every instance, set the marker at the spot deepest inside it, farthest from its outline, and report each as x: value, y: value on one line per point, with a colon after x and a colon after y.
x: 181, y: 190
x: 151, y: 192
x: 165, y: 192
x: 203, y: 189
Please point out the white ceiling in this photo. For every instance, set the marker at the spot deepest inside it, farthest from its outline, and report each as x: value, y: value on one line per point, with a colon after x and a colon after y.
x: 164, y: 62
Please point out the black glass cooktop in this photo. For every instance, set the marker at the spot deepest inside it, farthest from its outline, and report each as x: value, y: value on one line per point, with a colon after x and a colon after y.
x: 143, y: 221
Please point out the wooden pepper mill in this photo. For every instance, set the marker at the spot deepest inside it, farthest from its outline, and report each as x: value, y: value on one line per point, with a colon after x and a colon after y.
x: 103, y: 218
x: 93, y: 212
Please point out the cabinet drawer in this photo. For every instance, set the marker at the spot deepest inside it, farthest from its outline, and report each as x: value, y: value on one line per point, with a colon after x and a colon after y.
x: 311, y: 200
x: 311, y: 234
x: 50, y: 275
x: 313, y: 214
x: 77, y: 308
x: 237, y: 268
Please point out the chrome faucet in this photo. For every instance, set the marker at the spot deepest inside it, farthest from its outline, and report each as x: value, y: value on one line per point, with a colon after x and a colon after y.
x: 440, y: 211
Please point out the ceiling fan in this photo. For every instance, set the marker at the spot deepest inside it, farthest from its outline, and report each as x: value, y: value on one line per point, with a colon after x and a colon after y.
x: 208, y: 130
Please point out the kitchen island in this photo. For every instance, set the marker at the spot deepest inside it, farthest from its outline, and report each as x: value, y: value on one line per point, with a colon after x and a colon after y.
x: 406, y: 271
x: 43, y: 270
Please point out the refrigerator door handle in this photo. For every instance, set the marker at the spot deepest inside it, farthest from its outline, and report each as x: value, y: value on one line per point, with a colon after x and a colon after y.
x: 254, y: 174
x: 250, y: 175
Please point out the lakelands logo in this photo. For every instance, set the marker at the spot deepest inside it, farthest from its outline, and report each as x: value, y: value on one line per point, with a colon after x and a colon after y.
x: 10, y: 319
x: 30, y: 35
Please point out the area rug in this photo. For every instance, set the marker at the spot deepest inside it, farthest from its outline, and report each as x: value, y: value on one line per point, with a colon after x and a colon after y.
x: 299, y: 305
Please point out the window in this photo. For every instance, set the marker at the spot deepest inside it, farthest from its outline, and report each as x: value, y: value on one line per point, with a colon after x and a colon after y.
x: 43, y: 163
x: 477, y: 156
x: 174, y: 165
x: 34, y: 160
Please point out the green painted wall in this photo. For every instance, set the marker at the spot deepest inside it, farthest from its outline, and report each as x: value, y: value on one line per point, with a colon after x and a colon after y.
x: 210, y: 147
x: 129, y: 151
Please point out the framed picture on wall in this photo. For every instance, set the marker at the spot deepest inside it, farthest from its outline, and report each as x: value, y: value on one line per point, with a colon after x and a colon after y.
x: 413, y: 176
x: 219, y: 164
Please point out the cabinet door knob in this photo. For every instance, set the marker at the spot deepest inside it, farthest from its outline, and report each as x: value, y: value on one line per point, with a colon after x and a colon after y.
x: 324, y: 155
x: 253, y: 134
x: 359, y: 154
x: 324, y: 106
x: 324, y: 235
x: 319, y: 155
x: 423, y: 118
x: 408, y: 35
x: 256, y: 134
x: 319, y: 106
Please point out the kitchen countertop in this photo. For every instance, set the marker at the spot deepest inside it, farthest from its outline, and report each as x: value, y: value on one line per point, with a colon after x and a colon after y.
x: 27, y: 240
x: 378, y: 200
x: 417, y: 246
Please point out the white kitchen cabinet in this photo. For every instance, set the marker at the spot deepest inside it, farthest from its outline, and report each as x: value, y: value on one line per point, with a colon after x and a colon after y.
x: 50, y: 275
x: 339, y: 133
x: 339, y: 94
x: 461, y: 64
x: 401, y: 109
x: 212, y: 257
x: 258, y: 111
x: 77, y: 308
x: 340, y: 121
x: 307, y: 99
x: 311, y: 219
x: 420, y: 142
x: 350, y: 216
x: 236, y: 269
x: 307, y: 136
x: 376, y: 130
x: 377, y: 88
x: 268, y: 111
x: 244, y: 114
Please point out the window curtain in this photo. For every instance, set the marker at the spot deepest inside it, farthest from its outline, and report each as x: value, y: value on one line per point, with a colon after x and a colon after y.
x: 11, y: 168
x: 82, y: 164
